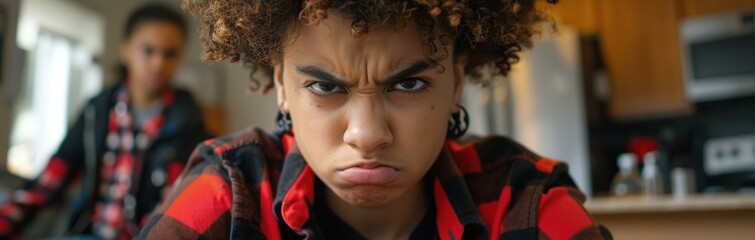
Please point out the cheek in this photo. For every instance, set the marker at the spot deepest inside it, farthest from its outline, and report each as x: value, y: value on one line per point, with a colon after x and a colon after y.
x: 425, y: 123
x: 426, y: 117
x: 420, y: 135
x: 317, y: 130
x: 421, y: 128
x: 319, y: 143
x: 137, y: 62
x: 171, y: 66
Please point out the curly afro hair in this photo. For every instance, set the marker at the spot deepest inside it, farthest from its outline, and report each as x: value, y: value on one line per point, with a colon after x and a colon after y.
x: 253, y: 31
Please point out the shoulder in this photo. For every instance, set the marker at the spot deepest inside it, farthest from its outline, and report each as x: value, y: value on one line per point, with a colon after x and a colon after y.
x: 219, y: 175
x: 105, y: 98
x: 184, y: 97
x: 250, y: 152
x: 528, y: 185
x: 492, y: 163
x: 235, y: 146
x: 503, y: 156
x: 185, y: 117
x: 185, y: 104
x: 492, y: 149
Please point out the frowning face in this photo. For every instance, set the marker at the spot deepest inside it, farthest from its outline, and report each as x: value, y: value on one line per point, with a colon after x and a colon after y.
x: 370, y: 115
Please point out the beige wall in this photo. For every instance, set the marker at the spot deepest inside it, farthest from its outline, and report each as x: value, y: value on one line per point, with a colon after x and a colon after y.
x: 246, y: 109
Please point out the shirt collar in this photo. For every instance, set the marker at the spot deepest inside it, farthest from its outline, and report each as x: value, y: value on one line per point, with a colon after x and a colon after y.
x: 455, y: 208
x: 170, y: 120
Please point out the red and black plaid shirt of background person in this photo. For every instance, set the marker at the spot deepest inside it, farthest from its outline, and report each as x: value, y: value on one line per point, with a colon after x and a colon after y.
x: 126, y: 144
x: 146, y: 175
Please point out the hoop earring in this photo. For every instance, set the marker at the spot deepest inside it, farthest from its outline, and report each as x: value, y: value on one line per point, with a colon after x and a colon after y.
x: 283, y: 122
x: 458, y: 123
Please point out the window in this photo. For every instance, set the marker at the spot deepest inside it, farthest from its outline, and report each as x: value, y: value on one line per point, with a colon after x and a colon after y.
x: 61, y: 40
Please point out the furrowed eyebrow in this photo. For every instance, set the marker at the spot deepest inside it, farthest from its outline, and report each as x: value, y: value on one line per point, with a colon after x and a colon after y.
x: 414, y: 69
x: 320, y: 74
x: 323, y: 75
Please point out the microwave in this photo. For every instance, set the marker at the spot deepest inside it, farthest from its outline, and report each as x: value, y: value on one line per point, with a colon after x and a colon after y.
x: 718, y: 55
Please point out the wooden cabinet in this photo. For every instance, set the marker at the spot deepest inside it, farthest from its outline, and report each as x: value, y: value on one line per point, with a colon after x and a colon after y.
x: 694, y: 8
x: 642, y: 55
x: 641, y: 49
x: 581, y: 14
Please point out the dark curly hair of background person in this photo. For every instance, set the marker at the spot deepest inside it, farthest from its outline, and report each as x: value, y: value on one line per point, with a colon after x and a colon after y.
x: 252, y: 31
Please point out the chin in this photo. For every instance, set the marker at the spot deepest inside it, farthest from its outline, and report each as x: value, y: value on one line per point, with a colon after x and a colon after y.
x: 158, y: 87
x: 368, y: 196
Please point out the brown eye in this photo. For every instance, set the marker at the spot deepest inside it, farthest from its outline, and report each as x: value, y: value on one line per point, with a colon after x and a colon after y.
x: 324, y: 88
x: 147, y: 50
x: 410, y: 85
x: 170, y: 54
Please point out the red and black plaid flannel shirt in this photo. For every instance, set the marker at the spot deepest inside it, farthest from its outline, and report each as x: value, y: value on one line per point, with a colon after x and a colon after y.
x: 256, y: 186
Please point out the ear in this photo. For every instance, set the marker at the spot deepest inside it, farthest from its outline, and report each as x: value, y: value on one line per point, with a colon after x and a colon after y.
x: 460, y: 62
x: 278, y: 80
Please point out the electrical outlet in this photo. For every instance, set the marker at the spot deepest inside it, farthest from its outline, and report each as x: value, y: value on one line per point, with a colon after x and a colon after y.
x: 729, y: 155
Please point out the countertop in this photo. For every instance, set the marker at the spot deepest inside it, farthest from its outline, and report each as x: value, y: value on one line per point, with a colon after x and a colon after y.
x: 668, y: 203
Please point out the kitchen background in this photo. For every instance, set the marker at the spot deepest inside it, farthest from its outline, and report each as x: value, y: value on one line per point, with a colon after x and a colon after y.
x: 674, y: 77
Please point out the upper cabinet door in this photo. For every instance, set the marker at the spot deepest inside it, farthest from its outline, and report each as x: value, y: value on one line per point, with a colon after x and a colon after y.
x: 642, y: 54
x: 641, y: 49
x: 695, y: 8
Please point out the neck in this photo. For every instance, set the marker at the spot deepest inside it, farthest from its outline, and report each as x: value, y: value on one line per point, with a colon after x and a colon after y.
x: 396, y: 220
x: 143, y: 98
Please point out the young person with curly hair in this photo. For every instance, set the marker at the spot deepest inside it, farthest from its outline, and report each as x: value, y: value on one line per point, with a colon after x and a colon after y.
x: 369, y: 123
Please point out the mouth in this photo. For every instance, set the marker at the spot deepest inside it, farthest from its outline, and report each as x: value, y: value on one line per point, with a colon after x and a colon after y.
x: 155, y: 78
x: 369, y: 174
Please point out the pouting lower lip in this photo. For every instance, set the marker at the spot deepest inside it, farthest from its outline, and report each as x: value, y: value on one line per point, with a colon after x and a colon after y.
x: 369, y: 176
x: 367, y: 165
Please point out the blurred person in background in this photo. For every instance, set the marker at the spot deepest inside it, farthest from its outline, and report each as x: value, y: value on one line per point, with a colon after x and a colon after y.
x: 128, y: 145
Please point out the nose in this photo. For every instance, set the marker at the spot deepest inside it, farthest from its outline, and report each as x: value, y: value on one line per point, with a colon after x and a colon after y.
x: 367, y: 127
x: 157, y: 61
